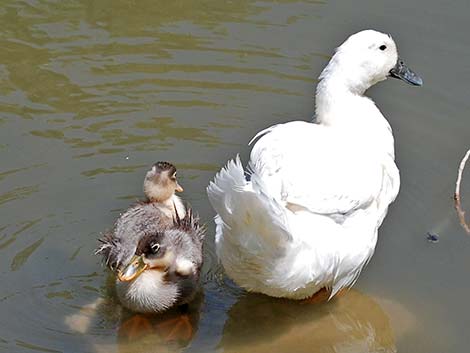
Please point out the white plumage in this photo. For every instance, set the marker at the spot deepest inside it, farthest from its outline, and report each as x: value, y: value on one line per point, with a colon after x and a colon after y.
x: 308, y: 216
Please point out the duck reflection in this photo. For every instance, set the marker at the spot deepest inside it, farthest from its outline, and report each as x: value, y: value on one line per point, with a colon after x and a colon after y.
x: 170, y: 331
x: 352, y: 322
x: 175, y: 327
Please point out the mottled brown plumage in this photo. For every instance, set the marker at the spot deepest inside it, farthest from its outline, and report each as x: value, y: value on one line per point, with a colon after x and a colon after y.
x: 155, y: 247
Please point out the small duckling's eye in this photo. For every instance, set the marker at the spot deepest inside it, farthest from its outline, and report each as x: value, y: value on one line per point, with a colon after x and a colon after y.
x: 383, y: 47
x: 155, y: 247
x: 173, y: 177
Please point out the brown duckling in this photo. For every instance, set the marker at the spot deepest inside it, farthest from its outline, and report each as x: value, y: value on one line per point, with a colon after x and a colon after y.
x: 164, y: 271
x: 145, y: 217
x: 155, y: 252
x: 160, y: 185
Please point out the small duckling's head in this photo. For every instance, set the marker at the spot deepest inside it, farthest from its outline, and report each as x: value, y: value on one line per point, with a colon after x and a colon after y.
x: 154, y: 252
x: 160, y: 183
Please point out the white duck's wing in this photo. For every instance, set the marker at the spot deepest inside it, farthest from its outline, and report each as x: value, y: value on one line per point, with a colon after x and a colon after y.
x: 305, y: 167
x: 292, y: 227
x: 242, y: 208
x: 251, y: 229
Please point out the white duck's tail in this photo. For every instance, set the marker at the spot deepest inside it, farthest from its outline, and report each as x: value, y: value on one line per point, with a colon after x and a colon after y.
x: 250, y: 224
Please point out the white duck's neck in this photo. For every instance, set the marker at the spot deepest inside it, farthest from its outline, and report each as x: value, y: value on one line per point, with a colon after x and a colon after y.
x: 340, y: 103
x: 339, y: 93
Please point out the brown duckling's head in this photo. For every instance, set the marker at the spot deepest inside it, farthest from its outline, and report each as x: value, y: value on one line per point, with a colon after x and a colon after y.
x: 160, y: 183
x: 153, y: 252
x: 176, y: 249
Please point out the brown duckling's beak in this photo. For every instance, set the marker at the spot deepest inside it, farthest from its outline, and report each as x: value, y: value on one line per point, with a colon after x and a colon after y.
x: 179, y: 188
x: 139, y: 263
x: 133, y: 270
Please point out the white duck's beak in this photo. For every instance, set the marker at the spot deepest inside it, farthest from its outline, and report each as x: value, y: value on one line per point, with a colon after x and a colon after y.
x: 179, y: 188
x: 404, y: 73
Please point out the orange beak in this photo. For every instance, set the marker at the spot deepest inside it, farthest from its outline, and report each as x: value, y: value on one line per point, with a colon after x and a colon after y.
x: 133, y: 270
x: 179, y: 188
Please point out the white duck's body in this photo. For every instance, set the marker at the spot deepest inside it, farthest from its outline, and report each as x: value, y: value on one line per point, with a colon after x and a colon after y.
x: 308, y: 216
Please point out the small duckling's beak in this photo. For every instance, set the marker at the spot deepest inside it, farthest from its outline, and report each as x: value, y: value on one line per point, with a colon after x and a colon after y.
x: 179, y: 188
x: 133, y: 270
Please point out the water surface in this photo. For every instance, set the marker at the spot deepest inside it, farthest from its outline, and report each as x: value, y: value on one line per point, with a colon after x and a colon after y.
x: 93, y: 92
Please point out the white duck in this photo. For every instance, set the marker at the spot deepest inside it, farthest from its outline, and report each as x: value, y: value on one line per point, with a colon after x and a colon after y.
x: 308, y: 215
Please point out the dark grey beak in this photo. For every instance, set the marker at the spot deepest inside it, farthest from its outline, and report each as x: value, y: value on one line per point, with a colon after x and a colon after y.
x: 402, y: 72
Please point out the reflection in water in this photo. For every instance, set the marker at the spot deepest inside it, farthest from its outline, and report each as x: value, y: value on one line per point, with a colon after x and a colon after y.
x: 352, y: 322
x: 111, y: 170
x: 35, y: 347
x: 170, y: 331
x: 116, y: 68
x: 23, y: 226
x: 92, y: 91
x: 14, y: 171
x: 22, y: 256
x: 18, y: 193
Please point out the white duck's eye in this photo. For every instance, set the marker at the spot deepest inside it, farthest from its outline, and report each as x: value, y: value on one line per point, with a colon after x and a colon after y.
x: 155, y: 247
x: 383, y: 47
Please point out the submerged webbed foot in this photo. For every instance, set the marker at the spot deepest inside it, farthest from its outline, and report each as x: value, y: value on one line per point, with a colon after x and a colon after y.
x: 135, y: 327
x: 176, y: 329
x: 321, y: 296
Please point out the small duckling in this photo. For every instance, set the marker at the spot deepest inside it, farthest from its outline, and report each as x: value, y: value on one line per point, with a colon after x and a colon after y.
x: 164, y: 271
x: 153, y: 215
x: 155, y: 252
x: 160, y: 185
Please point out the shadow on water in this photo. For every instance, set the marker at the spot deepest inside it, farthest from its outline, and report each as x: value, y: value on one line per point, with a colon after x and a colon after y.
x: 170, y: 331
x: 352, y: 322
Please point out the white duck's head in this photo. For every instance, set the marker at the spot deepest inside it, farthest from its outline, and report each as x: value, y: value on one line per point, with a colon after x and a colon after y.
x: 364, y: 59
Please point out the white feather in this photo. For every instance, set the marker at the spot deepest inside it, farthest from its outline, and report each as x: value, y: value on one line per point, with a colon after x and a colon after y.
x: 309, y: 215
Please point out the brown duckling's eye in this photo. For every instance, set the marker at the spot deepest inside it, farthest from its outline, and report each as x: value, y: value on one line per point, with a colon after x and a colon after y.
x: 155, y: 248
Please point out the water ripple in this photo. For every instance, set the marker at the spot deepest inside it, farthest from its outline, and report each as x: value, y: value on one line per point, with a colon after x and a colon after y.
x: 18, y: 193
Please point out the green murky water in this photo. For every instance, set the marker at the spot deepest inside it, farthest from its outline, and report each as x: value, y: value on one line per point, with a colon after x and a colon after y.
x: 93, y: 92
